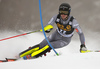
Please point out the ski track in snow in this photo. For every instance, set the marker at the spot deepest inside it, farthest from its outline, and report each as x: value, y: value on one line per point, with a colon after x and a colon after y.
x: 69, y: 58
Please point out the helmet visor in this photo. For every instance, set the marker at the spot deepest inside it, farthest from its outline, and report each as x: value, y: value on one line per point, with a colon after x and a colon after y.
x: 64, y: 12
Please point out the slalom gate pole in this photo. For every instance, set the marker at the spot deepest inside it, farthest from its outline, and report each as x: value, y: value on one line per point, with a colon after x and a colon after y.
x: 43, y: 27
x: 19, y: 35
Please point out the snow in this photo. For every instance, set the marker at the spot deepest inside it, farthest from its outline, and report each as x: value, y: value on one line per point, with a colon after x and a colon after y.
x: 69, y: 58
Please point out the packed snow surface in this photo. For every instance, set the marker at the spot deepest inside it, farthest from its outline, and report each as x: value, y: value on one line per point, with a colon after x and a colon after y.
x: 69, y: 56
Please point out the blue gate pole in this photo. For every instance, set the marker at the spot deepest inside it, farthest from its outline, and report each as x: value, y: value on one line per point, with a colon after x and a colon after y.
x: 43, y: 27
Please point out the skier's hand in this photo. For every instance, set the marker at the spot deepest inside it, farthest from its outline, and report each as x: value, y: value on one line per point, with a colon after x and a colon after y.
x: 83, y: 48
x: 47, y: 31
x: 47, y: 28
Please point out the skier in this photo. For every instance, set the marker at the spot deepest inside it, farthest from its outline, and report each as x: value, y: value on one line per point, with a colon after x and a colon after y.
x: 66, y: 25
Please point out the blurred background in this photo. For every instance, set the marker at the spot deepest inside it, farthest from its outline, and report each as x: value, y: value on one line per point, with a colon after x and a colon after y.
x: 23, y: 15
x: 18, y: 15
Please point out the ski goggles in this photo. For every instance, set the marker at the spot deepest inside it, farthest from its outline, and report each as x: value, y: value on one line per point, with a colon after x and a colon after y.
x: 64, y: 12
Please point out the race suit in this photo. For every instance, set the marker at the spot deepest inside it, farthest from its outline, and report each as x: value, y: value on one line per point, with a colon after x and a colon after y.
x: 64, y: 32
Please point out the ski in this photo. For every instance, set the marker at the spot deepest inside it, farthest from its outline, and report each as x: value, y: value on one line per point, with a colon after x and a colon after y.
x: 8, y: 60
x: 90, y: 51
x: 3, y: 60
x: 94, y: 50
x: 97, y: 51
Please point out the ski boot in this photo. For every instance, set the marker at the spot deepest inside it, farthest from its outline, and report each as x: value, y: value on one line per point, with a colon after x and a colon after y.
x: 38, y: 53
x: 30, y: 50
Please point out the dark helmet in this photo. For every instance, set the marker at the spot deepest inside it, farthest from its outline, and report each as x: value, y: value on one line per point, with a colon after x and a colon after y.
x: 65, y: 8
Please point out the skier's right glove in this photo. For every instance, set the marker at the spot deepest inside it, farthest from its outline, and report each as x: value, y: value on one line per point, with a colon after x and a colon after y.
x: 47, y: 28
x: 83, y: 48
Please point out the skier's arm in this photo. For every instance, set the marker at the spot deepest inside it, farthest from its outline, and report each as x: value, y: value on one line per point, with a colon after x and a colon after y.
x: 52, y: 21
x: 81, y: 35
x: 79, y: 31
x: 83, y: 48
x: 49, y: 26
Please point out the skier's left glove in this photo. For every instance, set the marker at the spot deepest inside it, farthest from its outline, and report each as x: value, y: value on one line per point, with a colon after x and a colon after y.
x: 47, y: 28
x: 83, y: 48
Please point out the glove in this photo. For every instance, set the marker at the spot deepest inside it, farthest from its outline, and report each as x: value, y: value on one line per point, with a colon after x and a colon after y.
x: 83, y: 48
x: 47, y: 28
x: 48, y: 31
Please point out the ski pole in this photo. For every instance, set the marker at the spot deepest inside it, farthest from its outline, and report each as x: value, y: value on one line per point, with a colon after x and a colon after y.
x: 20, y: 35
x: 43, y: 28
x: 90, y: 51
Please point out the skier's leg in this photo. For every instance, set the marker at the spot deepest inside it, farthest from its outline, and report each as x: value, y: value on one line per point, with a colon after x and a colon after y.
x: 56, y: 40
x: 37, y: 47
x: 51, y: 38
x: 44, y: 46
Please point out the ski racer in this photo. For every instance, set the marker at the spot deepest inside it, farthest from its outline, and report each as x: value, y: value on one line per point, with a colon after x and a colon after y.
x: 66, y: 24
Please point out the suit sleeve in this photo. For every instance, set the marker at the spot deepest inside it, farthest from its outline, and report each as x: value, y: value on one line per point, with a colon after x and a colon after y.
x: 52, y: 21
x: 79, y: 31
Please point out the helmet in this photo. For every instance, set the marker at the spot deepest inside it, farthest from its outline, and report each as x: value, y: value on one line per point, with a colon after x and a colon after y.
x: 65, y: 8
